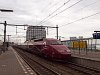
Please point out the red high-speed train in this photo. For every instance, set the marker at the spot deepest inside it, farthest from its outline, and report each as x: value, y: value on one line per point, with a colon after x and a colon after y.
x: 49, y: 48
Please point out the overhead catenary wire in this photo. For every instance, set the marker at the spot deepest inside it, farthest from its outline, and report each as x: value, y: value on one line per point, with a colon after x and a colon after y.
x: 87, y: 5
x: 19, y: 28
x: 55, y: 4
x: 81, y: 19
x: 25, y: 25
x: 69, y: 7
x: 53, y: 12
x: 28, y: 25
x: 50, y: 5
x: 76, y: 21
x: 62, y: 11
x: 59, y: 8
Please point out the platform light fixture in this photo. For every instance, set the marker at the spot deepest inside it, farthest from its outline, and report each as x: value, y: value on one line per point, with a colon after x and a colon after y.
x: 6, y: 10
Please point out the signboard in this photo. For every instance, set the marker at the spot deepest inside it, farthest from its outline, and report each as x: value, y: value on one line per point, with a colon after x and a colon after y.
x: 96, y: 35
x: 79, y: 44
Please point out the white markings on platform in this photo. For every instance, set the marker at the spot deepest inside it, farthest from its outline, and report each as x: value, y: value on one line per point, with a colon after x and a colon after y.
x: 27, y: 70
x: 3, y: 65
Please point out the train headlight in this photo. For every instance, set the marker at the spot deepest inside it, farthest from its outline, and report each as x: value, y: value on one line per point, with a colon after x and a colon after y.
x: 68, y: 51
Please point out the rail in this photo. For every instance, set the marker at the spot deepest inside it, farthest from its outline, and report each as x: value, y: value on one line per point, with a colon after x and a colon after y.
x: 86, y: 70
x: 40, y: 69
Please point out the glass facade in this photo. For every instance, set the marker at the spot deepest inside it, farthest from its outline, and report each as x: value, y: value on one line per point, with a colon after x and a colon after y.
x: 35, y: 32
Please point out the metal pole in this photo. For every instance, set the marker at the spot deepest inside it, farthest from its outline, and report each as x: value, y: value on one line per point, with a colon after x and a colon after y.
x: 16, y: 30
x: 95, y: 41
x: 5, y: 24
x: 91, y: 44
x: 57, y: 31
x: 8, y: 38
x: 8, y: 41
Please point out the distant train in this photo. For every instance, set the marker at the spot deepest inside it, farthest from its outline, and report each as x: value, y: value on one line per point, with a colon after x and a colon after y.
x: 47, y: 47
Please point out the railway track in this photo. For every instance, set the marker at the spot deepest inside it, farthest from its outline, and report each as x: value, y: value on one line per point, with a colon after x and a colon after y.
x: 84, y: 69
x: 51, y: 65
x: 65, y: 68
x: 40, y: 69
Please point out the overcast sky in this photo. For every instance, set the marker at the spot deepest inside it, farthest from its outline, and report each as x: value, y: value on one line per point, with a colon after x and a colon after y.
x: 32, y: 12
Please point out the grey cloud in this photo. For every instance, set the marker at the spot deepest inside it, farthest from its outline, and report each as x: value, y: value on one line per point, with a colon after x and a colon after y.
x: 34, y: 11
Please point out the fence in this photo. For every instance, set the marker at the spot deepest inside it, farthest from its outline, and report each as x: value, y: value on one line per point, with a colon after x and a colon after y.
x: 86, y: 44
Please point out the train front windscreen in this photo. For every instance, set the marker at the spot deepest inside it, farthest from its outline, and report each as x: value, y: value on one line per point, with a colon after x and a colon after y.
x: 55, y: 42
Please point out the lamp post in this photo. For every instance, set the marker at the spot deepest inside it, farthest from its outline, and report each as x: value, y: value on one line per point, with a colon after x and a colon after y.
x: 5, y: 24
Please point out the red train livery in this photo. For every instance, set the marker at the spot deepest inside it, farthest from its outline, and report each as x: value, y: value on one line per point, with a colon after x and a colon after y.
x: 49, y: 48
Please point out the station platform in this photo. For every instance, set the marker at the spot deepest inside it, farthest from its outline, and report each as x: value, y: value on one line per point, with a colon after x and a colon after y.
x: 12, y: 64
x: 92, y: 55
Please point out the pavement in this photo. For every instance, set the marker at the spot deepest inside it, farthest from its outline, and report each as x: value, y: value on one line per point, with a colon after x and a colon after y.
x: 93, y: 55
x: 12, y: 64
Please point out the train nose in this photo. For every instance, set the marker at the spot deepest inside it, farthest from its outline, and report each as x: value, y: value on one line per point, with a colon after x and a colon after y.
x: 61, y: 49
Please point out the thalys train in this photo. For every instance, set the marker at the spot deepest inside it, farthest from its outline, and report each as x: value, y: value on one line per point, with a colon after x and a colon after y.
x: 47, y: 47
